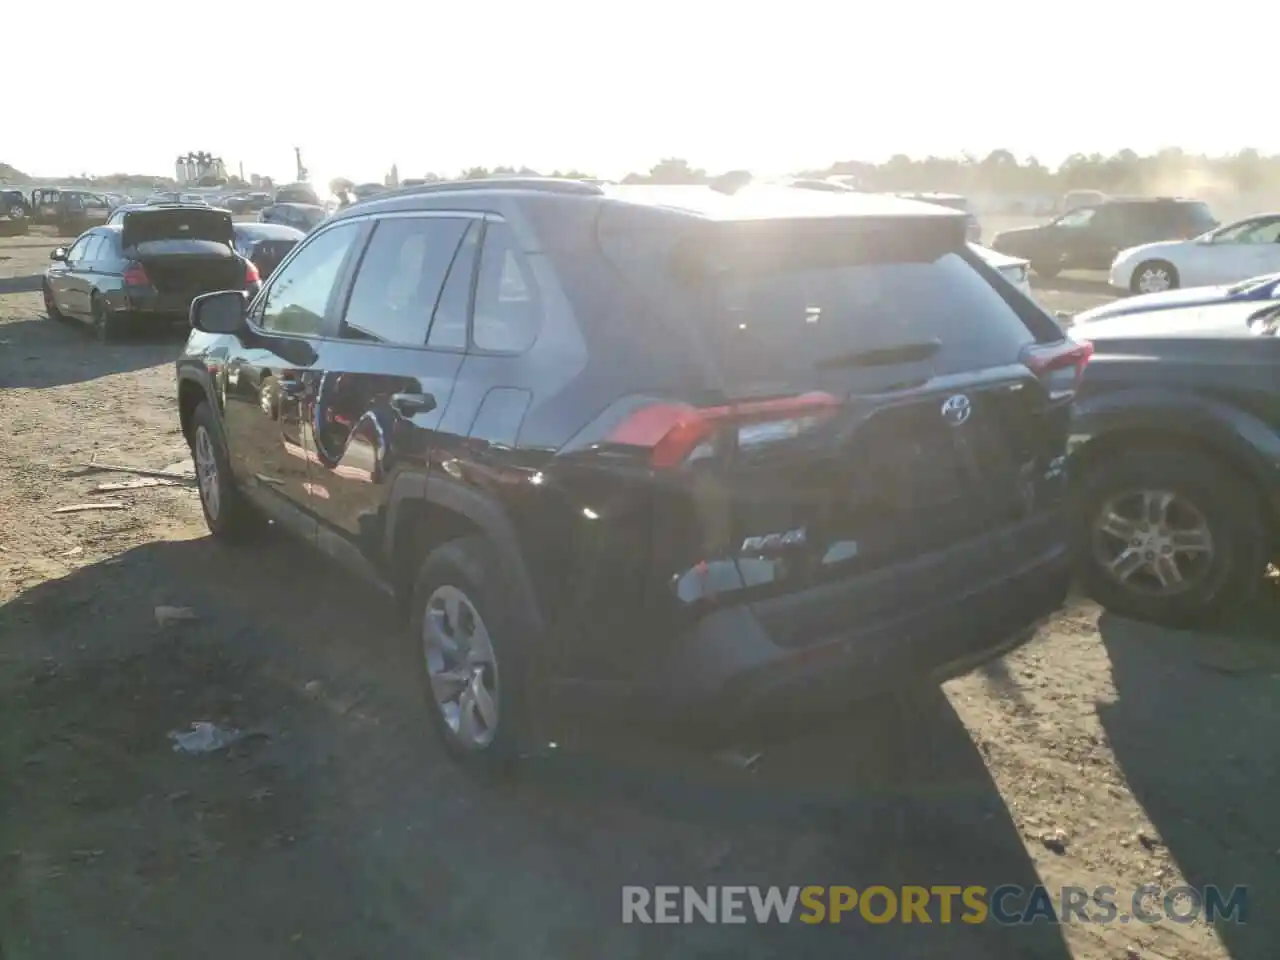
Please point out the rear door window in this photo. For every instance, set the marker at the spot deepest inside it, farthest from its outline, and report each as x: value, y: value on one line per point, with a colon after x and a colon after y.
x: 401, y: 274
x: 453, y: 310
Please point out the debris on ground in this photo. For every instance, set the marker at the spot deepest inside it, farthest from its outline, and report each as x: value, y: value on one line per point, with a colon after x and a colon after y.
x: 1055, y: 841
x: 137, y: 471
x: 100, y: 505
x: 138, y: 484
x: 204, y: 737
x: 168, y: 615
x: 739, y: 759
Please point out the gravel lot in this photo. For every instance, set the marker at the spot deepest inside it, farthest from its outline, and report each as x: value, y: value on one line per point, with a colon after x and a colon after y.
x: 1103, y: 753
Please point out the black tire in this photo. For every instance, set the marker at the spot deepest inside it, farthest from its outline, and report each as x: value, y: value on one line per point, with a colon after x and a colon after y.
x: 1135, y: 282
x: 1232, y: 511
x: 471, y: 565
x: 1046, y: 269
x: 107, y: 325
x: 232, y: 518
x: 50, y: 308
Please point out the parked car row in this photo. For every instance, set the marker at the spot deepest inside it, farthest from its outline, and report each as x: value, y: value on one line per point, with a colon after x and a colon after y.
x: 706, y: 454
x: 1150, y: 245
x: 149, y: 261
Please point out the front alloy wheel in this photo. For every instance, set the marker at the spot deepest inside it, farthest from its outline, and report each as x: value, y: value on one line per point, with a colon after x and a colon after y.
x: 206, y: 465
x: 1169, y: 535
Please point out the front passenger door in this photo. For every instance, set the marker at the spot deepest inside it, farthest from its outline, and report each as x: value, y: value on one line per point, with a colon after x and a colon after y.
x: 80, y: 277
x: 268, y: 372
x: 61, y: 277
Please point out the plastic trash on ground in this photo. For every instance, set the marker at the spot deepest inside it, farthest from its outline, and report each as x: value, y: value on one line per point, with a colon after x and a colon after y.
x: 204, y: 737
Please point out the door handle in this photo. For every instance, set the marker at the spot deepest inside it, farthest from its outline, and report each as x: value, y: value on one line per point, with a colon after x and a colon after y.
x: 407, y: 404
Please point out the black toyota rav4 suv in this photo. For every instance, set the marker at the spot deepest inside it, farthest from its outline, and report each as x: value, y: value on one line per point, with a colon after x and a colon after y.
x: 705, y: 454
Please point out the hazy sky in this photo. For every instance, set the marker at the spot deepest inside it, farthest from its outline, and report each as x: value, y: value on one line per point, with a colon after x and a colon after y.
x: 612, y: 87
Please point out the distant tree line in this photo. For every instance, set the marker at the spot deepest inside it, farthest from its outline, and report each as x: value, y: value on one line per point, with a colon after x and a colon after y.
x: 1000, y: 171
x: 1169, y: 171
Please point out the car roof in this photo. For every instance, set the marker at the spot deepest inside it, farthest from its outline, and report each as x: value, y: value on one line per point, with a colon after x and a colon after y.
x: 1145, y: 201
x: 751, y: 202
x: 268, y: 231
x: 166, y: 205
x: 770, y: 202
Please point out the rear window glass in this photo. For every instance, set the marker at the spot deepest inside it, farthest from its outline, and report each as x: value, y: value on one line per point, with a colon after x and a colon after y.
x: 766, y: 324
x: 297, y: 195
x: 163, y: 248
x: 955, y: 203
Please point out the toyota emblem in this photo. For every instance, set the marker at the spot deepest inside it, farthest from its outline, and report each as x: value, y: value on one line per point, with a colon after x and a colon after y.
x: 956, y: 409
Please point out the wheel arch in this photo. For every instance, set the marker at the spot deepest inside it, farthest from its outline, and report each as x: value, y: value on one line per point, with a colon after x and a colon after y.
x: 1223, y: 447
x: 424, y: 512
x: 193, y: 390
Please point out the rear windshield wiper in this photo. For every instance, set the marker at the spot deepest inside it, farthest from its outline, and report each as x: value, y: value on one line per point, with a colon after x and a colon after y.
x: 882, y: 356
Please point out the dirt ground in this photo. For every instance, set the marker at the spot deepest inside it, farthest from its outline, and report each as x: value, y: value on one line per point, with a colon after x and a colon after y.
x: 1104, y: 753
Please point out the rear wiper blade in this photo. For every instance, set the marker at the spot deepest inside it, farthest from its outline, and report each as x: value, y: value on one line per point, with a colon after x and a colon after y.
x: 882, y: 356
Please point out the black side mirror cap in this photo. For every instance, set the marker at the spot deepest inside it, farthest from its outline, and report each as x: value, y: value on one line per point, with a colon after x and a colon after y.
x: 223, y: 312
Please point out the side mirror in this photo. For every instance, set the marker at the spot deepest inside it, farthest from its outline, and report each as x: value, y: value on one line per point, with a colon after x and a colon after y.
x: 59, y: 254
x: 221, y: 312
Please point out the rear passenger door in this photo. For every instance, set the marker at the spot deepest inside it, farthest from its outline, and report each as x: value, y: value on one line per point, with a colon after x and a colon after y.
x: 385, y: 384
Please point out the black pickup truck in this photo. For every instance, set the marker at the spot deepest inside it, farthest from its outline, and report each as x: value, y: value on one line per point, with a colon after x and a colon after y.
x: 1176, y: 450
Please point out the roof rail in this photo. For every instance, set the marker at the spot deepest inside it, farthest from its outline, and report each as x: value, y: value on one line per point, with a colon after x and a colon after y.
x: 578, y: 188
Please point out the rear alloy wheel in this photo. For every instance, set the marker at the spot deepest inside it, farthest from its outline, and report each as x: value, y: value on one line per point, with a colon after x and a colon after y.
x: 1169, y: 536
x: 106, y: 324
x: 228, y: 514
x: 50, y: 308
x: 461, y: 667
x: 1155, y: 276
x: 474, y: 647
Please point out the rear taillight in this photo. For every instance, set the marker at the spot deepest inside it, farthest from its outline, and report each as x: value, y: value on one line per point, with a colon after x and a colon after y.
x: 136, y: 276
x: 1060, y: 365
x: 674, y: 432
x: 251, y: 275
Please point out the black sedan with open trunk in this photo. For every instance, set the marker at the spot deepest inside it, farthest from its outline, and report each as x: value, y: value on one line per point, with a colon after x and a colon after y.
x: 147, y: 268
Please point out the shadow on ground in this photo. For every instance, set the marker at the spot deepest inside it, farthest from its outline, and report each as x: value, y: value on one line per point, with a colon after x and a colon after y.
x: 27, y: 284
x: 1196, y: 729
x: 339, y: 830
x: 40, y: 352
